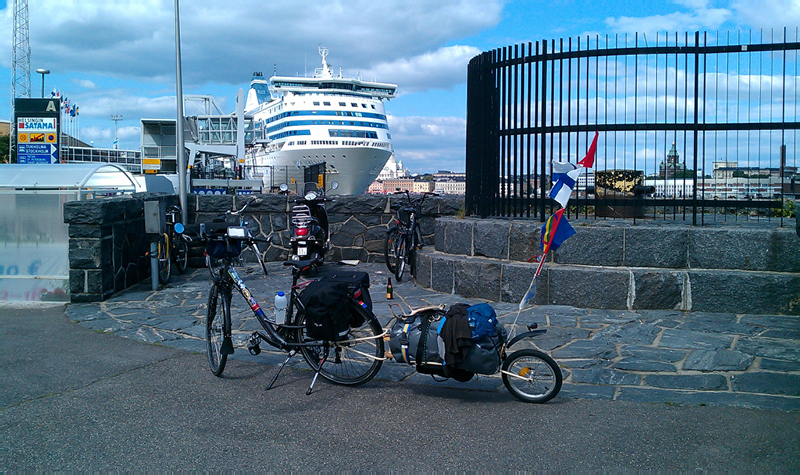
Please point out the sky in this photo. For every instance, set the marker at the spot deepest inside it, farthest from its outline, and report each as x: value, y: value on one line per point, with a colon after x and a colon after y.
x: 117, y: 57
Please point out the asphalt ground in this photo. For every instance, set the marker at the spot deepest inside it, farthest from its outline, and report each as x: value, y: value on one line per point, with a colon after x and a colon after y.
x: 74, y: 399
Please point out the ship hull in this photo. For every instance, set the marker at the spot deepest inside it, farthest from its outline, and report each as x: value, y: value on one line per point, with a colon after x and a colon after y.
x: 355, y: 168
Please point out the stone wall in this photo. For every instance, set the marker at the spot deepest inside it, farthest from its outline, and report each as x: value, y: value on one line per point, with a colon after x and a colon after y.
x: 358, y: 223
x: 107, y: 245
x: 615, y: 265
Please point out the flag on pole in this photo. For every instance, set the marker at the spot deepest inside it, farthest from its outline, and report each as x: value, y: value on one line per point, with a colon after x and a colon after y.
x: 562, y: 188
x: 588, y: 160
x: 560, y: 169
x: 555, y: 231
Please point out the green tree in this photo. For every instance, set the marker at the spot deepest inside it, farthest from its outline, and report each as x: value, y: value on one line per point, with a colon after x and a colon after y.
x: 5, y: 143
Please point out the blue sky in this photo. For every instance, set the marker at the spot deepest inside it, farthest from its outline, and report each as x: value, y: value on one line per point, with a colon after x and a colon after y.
x: 117, y: 58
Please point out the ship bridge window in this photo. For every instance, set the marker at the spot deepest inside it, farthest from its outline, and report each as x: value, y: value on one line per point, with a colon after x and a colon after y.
x: 354, y: 104
x: 373, y: 105
x: 364, y: 106
x: 326, y: 103
x: 316, y: 103
x: 342, y: 104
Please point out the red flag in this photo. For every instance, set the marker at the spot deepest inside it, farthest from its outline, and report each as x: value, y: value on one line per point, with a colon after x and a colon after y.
x: 588, y: 160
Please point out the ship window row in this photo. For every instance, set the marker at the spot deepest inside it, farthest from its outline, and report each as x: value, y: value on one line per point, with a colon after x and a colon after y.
x: 324, y: 142
x: 289, y: 133
x: 364, y: 134
x: 343, y: 104
x: 299, y: 142
x: 337, y: 113
x: 296, y: 123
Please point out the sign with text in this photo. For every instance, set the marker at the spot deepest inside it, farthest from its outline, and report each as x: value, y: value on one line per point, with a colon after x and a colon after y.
x: 38, y: 127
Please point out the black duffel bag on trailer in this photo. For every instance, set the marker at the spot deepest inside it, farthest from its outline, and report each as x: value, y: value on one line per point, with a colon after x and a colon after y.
x: 327, y: 309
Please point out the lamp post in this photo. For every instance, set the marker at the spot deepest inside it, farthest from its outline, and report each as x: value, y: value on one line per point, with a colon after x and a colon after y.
x: 43, y: 72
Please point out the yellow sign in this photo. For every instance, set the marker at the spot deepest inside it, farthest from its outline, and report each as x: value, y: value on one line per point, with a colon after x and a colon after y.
x: 23, y: 137
x: 39, y: 138
x: 51, y: 138
x: 151, y: 161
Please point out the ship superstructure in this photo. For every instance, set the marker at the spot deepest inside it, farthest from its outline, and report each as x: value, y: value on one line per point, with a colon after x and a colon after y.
x: 325, y: 121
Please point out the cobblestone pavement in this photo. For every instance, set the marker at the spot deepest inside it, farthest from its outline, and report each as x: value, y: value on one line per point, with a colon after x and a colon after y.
x: 664, y: 356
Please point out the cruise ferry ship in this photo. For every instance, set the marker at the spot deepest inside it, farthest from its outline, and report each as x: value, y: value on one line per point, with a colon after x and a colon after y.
x: 306, y: 122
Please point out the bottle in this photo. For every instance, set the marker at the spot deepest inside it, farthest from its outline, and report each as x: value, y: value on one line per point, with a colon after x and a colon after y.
x: 389, y: 291
x: 280, y: 308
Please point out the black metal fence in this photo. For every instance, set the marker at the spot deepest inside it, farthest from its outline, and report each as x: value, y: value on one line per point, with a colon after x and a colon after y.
x: 702, y: 124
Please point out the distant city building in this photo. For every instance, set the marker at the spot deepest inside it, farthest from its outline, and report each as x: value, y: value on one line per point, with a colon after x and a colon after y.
x: 403, y: 184
x: 450, y: 187
x: 422, y: 187
x: 446, y: 174
x: 673, y: 166
x: 393, y: 170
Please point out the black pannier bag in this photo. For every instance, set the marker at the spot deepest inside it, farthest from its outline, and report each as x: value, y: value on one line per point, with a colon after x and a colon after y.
x: 327, y: 308
x: 484, y: 355
x: 358, y: 288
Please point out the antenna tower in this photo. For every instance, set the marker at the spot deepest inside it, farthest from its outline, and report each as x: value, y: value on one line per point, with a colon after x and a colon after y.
x: 20, y: 64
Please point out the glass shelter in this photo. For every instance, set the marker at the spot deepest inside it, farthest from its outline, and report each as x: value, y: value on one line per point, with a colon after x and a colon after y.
x: 34, y: 240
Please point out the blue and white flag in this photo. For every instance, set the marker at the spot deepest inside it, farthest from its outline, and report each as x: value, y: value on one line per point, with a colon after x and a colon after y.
x: 562, y: 189
x: 560, y: 169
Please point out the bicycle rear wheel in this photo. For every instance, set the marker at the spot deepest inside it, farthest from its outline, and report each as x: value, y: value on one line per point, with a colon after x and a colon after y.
x: 164, y: 266
x: 218, y: 318
x: 352, y: 361
x: 390, y: 248
x: 531, y: 376
x: 181, y: 254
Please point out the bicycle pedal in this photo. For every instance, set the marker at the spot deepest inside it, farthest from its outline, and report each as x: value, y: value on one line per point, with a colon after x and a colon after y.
x: 254, y: 349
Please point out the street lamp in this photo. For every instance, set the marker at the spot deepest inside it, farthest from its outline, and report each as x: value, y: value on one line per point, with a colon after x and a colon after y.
x: 43, y: 72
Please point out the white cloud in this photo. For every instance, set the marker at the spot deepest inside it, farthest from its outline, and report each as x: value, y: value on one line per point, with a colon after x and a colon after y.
x: 440, y: 69
x: 224, y: 42
x: 699, y: 17
x: 426, y: 144
x: 768, y: 14
x: 85, y: 83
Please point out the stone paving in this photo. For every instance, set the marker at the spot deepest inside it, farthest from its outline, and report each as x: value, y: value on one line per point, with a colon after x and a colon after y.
x: 661, y: 356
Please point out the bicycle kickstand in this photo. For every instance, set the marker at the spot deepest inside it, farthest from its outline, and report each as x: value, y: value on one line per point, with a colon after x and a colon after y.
x: 322, y: 362
x: 280, y: 368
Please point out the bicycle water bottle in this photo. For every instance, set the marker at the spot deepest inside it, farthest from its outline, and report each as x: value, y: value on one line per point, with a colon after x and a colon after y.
x: 280, y: 308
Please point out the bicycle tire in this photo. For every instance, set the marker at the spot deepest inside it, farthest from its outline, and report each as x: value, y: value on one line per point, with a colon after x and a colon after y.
x: 217, y: 319
x: 181, y: 254
x: 389, y: 249
x: 401, y: 256
x: 535, y: 377
x: 164, y: 265
x: 348, y: 363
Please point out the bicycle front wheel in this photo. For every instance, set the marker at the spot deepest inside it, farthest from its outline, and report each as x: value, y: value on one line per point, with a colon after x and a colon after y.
x: 401, y: 256
x: 531, y: 376
x: 354, y: 360
x: 390, y: 249
x: 218, y: 318
x: 181, y: 254
x: 164, y: 267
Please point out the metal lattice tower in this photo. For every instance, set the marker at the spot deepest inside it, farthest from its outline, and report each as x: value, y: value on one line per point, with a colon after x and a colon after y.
x: 20, y: 62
